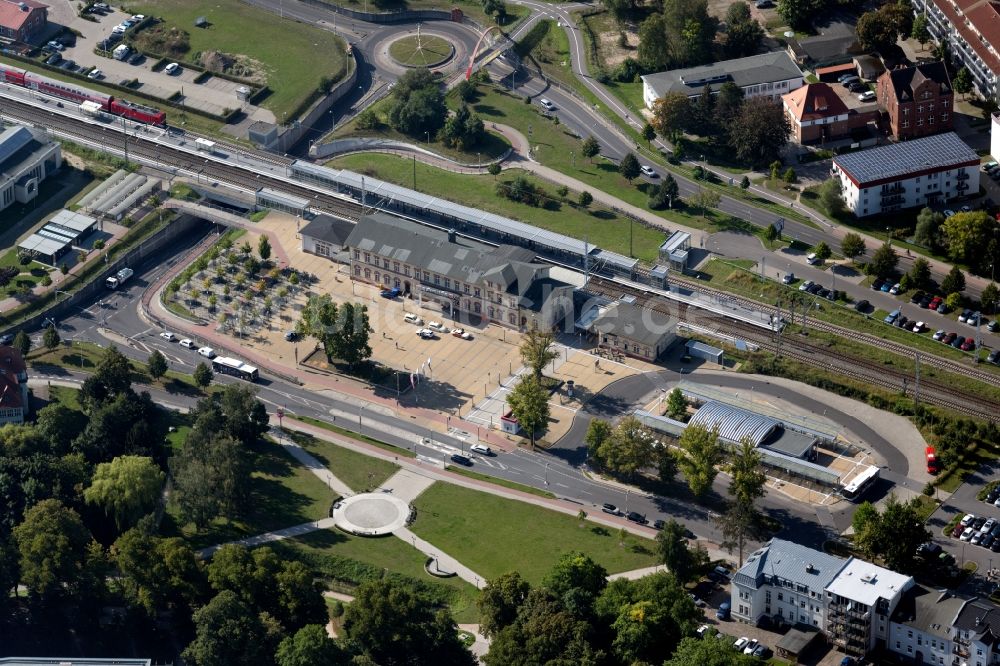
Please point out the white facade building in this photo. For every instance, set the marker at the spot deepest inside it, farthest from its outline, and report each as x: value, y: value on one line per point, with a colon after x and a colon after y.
x: 850, y: 600
x: 766, y: 75
x: 942, y: 628
x: 923, y: 172
x: 995, y: 136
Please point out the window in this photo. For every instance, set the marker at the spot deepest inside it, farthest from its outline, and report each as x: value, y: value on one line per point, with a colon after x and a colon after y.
x: 512, y: 318
x: 368, y: 258
x: 477, y: 292
x: 905, y: 123
x: 781, y: 596
x: 909, y: 634
x: 920, y: 109
x: 466, y: 288
x: 368, y: 274
x: 490, y: 312
x: 385, y: 264
x: 920, y: 122
x: 930, y: 120
x: 378, y: 276
x: 447, y: 283
x: 944, y: 117
x: 427, y: 276
x: 395, y: 266
x: 357, y: 270
x: 406, y: 271
x: 357, y: 254
x: 437, y: 279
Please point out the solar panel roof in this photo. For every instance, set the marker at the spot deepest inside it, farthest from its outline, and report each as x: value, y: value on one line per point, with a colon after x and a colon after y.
x: 901, y: 159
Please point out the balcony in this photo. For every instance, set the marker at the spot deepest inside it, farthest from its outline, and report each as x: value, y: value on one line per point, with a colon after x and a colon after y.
x: 960, y: 651
x: 962, y: 175
x: 962, y: 186
x: 892, y: 189
x: 892, y: 199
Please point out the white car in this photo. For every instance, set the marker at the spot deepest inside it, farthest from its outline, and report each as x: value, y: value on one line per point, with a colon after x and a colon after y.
x: 187, y: 343
x: 546, y: 104
x: 939, y: 334
x: 95, y: 74
x: 895, y: 289
x: 462, y: 333
x: 805, y: 285
x: 919, y: 327
x: 967, y: 534
x: 172, y: 68
x: 750, y: 647
x: 481, y: 449
x: 138, y: 18
x: 812, y: 259
x: 866, y: 96
x: 119, y: 29
x: 648, y: 171
x: 207, y: 352
x: 169, y: 337
x: 987, y: 526
x: 411, y: 318
x: 741, y: 643
x: 425, y: 333
x: 948, y: 212
x: 967, y: 520
x: 437, y: 326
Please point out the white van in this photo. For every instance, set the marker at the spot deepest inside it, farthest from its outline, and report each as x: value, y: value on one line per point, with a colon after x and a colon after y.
x: 207, y: 352
x: 481, y: 449
x: 121, y: 52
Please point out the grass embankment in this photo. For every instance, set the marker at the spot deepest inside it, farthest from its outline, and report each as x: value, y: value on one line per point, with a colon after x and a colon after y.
x: 428, y: 51
x: 353, y: 435
x: 360, y: 472
x: 276, y: 47
x: 493, y: 535
x: 513, y: 485
x: 547, y: 44
x: 283, y: 493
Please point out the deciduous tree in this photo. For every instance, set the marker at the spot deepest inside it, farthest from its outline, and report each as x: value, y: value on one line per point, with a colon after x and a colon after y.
x: 590, y: 148
x: 529, y: 404
x: 822, y: 251
x: 537, y: 350
x: 156, y: 364
x: 962, y: 82
x: 648, y: 133
x: 672, y: 548
x: 677, y: 405
x: 920, y: 274
x: 51, y: 337
x: 831, y: 198
x: 759, y: 133
x: 264, y: 247
x: 743, y: 33
x: 127, y: 488
x: 954, y: 281
x: 883, y: 263
x: 22, y: 343
x: 746, y: 486
x: 52, y: 542
x: 629, y: 167
x: 671, y: 114
x: 227, y: 631
x: 920, y: 32
x: 700, y: 652
x: 202, y: 375
x: 990, y: 298
x: 628, y: 449
x: 700, y: 453
x: 310, y: 646
x: 852, y: 246
x: 500, y: 601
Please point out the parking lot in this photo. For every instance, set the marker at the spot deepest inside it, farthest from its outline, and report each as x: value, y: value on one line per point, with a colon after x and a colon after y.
x: 965, y: 501
x: 213, y: 96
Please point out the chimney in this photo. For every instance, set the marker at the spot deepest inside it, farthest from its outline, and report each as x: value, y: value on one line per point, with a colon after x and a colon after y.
x: 451, y: 235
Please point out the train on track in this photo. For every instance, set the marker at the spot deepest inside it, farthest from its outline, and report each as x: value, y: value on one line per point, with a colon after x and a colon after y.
x: 109, y: 103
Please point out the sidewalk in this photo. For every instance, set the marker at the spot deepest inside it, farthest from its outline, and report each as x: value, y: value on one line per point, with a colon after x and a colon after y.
x: 443, y: 561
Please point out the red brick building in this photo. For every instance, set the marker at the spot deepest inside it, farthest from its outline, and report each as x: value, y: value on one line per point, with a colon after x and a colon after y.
x: 917, y: 101
x: 22, y: 20
x: 13, y: 386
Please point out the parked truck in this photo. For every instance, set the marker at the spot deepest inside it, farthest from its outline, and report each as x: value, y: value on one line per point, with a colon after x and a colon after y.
x: 119, y: 278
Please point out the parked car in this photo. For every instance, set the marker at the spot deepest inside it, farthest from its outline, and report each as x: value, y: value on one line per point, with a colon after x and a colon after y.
x: 187, y: 343
x: 917, y: 296
x: 53, y: 59
x: 611, y: 508
x: 957, y: 532
x: 964, y: 317
x: 993, y: 326
x: 929, y: 549
x: 411, y: 318
x: 462, y: 333
x: 659, y: 524
x: 741, y: 643
x: 894, y: 289
x: 901, y: 321
x: 858, y: 87
x: 390, y: 293
x: 891, y: 317
x: 877, y: 284
x: 461, y: 460
x: 805, y: 285
x: 95, y: 74
x: 812, y: 259
x: 918, y: 327
x: 636, y: 518
x: 763, y: 4
x: 789, y: 278
x: 751, y: 646
x: 862, y: 305
x: 866, y: 96
x: 762, y: 652
x: 993, y: 358
x: 291, y: 336
x: 169, y: 337
x: 947, y: 212
x: 437, y: 326
x: 967, y: 533
x: 943, y: 308
x: 968, y: 345
x: 938, y: 335
x: 426, y: 333
x: 967, y: 519
x: 724, y: 611
x: 546, y: 104
x: 172, y: 68
x: 958, y: 342
x: 853, y: 78
x: 886, y: 286
x: 648, y: 171
x: 845, y: 76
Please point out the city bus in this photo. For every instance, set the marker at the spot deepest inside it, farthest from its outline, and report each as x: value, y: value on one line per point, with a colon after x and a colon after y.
x: 234, y: 367
x: 860, y: 484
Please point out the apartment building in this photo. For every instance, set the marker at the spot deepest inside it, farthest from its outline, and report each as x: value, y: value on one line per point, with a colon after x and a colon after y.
x: 971, y: 28
x: 14, y: 403
x: 918, y: 100
x: 923, y: 172
x: 816, y: 114
x: 944, y: 628
x: 503, y: 284
x: 849, y: 600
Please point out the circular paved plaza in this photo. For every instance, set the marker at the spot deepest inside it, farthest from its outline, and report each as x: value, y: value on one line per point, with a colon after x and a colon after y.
x: 371, y: 514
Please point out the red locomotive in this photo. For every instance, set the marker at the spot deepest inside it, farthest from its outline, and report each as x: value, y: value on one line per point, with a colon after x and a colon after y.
x: 109, y: 103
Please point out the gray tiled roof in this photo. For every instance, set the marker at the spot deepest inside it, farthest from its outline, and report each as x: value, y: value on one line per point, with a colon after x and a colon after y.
x: 328, y: 228
x: 629, y: 321
x: 749, y: 71
x: 429, y: 249
x: 789, y: 561
x: 900, y: 159
x: 930, y: 611
x: 980, y: 617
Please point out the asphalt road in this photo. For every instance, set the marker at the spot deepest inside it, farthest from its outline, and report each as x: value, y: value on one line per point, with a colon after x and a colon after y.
x: 561, y: 470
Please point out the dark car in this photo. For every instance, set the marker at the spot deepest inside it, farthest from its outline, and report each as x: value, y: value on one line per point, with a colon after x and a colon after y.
x: 659, y: 524
x: 857, y: 87
x: 993, y: 358
x: 993, y: 326
x: 877, y: 284
x: 823, y: 293
x: 832, y: 295
x: 390, y: 293
x: 901, y: 321
x: 978, y: 523
x: 636, y: 518
x: 610, y: 508
x: 949, y: 338
x: 862, y: 305
x: 917, y: 297
x: 958, y: 342
x: 995, y: 546
x: 461, y: 460
x: 926, y: 301
x: 136, y: 58
x: 943, y: 308
x: 6, y: 339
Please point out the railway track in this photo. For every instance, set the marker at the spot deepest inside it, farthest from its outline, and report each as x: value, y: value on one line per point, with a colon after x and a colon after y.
x: 926, y: 358
x: 792, y: 346
x: 246, y: 180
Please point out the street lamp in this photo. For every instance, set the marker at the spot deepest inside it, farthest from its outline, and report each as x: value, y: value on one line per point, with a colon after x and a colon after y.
x: 360, y: 410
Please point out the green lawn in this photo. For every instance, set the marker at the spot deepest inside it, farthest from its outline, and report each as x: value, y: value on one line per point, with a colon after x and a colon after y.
x: 513, y: 485
x: 601, y: 227
x: 358, y: 471
x: 549, y: 46
x: 493, y: 535
x: 294, y: 55
x: 338, y: 551
x: 429, y: 51
x: 30, y: 274
x: 283, y: 493
x: 353, y: 435
x: 66, y: 396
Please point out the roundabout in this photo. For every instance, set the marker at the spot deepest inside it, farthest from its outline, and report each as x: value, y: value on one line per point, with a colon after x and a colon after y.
x: 421, y: 51
x: 371, y: 514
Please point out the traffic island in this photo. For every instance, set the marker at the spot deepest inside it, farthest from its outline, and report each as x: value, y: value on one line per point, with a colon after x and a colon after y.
x: 421, y: 51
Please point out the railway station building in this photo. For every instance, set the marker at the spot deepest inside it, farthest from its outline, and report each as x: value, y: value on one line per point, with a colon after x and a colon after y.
x: 625, y: 328
x: 27, y: 157
x: 471, y: 280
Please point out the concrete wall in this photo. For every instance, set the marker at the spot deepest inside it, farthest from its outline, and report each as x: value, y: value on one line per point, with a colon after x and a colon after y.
x: 182, y: 225
x: 294, y: 133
